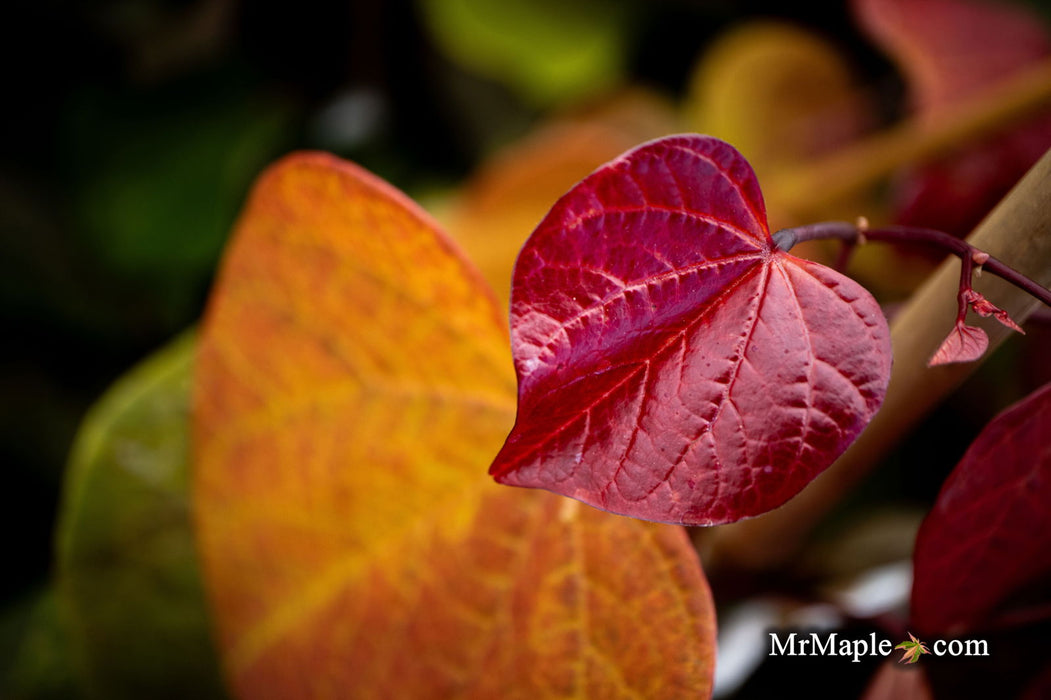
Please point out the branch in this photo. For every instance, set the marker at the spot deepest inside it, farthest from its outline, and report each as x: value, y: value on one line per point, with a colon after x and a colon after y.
x: 853, y: 234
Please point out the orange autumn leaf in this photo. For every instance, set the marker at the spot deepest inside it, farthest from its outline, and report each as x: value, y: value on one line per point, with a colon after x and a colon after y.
x: 353, y: 383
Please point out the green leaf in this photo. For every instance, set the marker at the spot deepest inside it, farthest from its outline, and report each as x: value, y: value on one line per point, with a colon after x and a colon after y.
x: 35, y: 662
x: 547, y: 51
x: 127, y: 566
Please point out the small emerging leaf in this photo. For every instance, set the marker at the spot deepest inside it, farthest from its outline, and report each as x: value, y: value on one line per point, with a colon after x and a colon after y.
x: 672, y: 363
x: 963, y: 344
x: 985, y: 308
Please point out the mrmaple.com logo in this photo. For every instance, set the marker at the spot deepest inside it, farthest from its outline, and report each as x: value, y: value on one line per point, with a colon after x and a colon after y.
x: 831, y: 644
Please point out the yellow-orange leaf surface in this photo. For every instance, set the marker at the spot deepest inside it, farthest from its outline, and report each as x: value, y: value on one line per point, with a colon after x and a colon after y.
x: 353, y: 385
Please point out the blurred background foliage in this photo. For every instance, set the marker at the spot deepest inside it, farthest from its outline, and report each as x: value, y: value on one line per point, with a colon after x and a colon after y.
x: 133, y: 129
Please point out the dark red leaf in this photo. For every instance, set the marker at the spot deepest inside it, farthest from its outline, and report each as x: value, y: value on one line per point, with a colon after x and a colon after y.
x: 673, y: 364
x: 989, y: 533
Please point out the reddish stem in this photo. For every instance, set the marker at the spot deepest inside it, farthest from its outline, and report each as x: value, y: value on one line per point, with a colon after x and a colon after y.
x: 966, y: 270
x: 849, y: 233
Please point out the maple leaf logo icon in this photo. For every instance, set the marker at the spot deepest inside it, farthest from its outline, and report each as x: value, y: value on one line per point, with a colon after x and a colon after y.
x: 913, y: 650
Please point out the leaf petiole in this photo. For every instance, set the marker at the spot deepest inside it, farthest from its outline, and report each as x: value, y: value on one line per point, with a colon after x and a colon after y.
x: 964, y: 343
x: 852, y: 234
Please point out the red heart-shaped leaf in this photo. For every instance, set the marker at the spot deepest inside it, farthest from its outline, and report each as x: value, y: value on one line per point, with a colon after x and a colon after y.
x: 673, y: 364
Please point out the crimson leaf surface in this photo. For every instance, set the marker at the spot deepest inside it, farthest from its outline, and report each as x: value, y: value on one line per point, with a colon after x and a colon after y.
x: 673, y: 364
x: 987, y: 541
